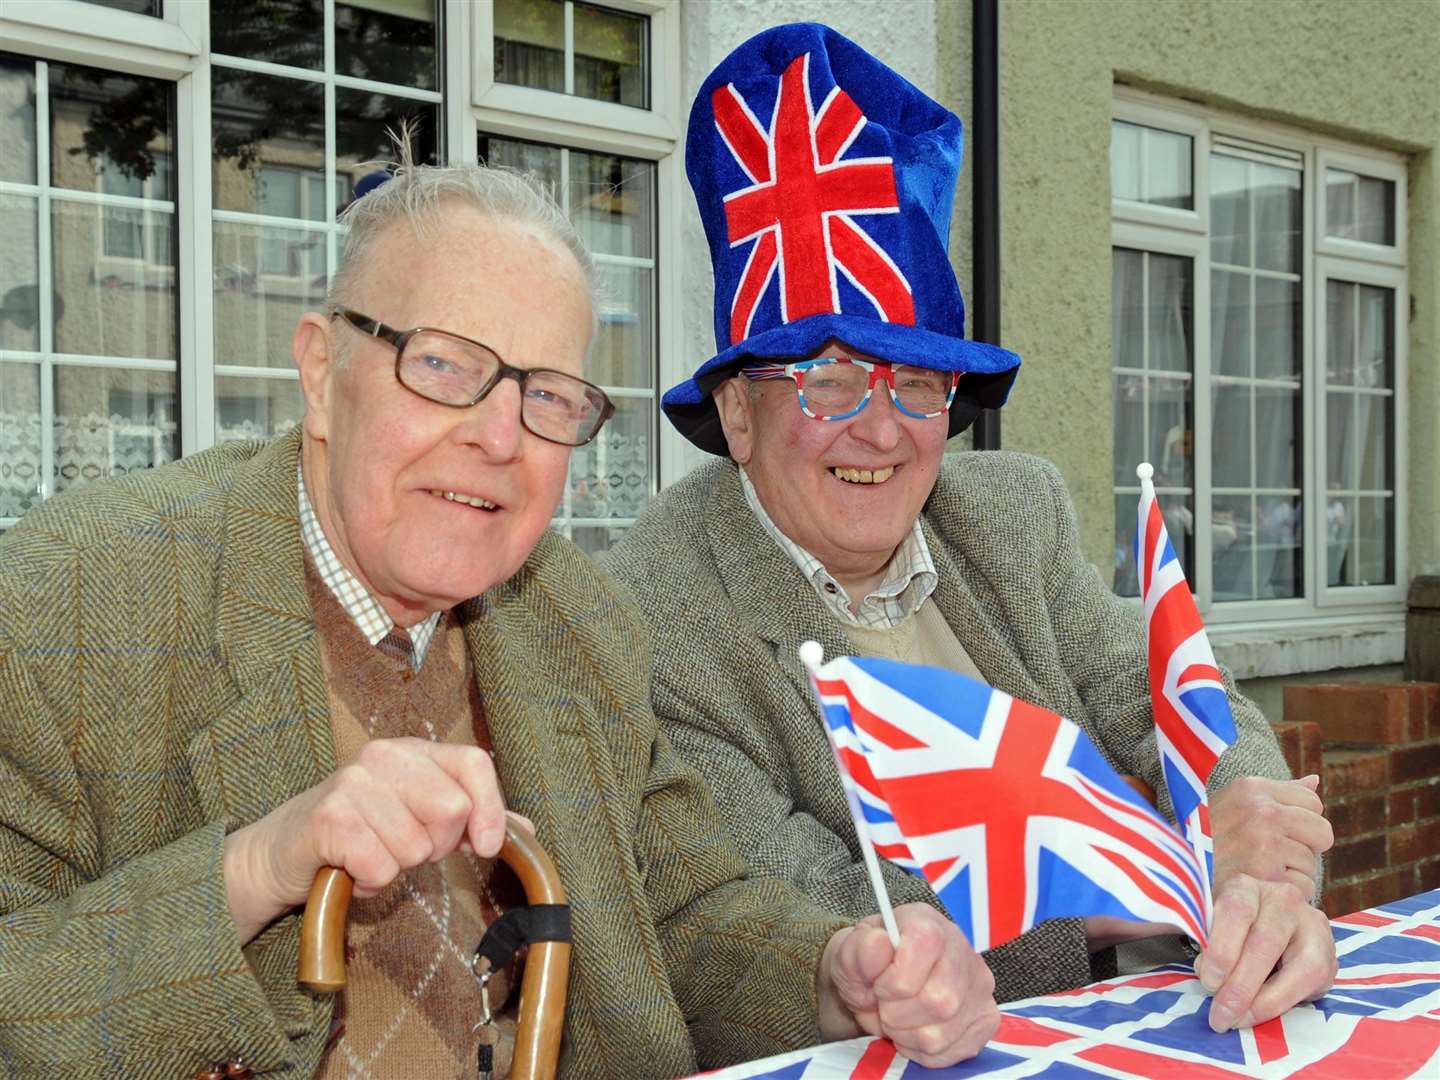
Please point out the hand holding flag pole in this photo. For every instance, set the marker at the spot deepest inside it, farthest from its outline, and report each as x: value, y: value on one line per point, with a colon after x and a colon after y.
x: 812, y: 655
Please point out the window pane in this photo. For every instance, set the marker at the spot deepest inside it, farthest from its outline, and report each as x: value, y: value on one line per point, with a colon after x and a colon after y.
x: 19, y: 273
x: 1374, y: 545
x: 1277, y: 329
x: 533, y: 158
x: 1230, y: 323
x: 107, y: 124
x: 1375, y: 345
x: 1129, y: 427
x: 1230, y: 419
x: 1341, y: 469
x: 1279, y: 572
x: 1276, y: 194
x: 112, y: 421
x: 593, y: 540
x: 1340, y: 300
x: 390, y: 41
x: 610, y: 60
x: 611, y: 476
x: 1127, y: 307
x: 255, y: 408
x: 1231, y: 556
x: 1374, y: 441
x: 363, y: 122
x: 530, y: 43
x: 261, y: 120
x: 612, y: 203
x: 113, y: 304
x: 281, y: 31
x: 17, y: 120
x: 1359, y: 207
x: 1169, y: 313
x: 1277, y: 437
x: 1150, y: 165
x: 1169, y: 427
x: 255, y: 310
x: 19, y: 438
x: 1229, y: 211
x: 1340, y: 516
x: 624, y: 349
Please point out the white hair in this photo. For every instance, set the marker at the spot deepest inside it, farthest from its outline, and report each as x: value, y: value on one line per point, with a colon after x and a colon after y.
x: 418, y: 194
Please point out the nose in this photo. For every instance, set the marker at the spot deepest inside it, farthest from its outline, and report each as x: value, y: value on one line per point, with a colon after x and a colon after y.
x: 878, y: 423
x: 493, y: 423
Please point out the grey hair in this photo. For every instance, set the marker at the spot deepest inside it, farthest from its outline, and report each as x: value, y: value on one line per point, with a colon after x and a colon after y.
x: 417, y: 193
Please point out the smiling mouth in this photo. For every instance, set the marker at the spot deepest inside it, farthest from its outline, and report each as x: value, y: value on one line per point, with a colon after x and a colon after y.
x: 468, y: 500
x: 863, y: 476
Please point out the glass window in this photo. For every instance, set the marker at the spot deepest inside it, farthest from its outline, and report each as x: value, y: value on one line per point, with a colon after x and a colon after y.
x: 1148, y: 165
x: 1267, y: 537
x: 277, y: 192
x: 611, y: 200
x: 88, y: 360
x: 573, y: 48
x: 1359, y: 207
x: 139, y: 7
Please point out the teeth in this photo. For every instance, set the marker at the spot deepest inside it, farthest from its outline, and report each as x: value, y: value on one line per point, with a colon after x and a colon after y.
x: 468, y: 500
x: 864, y: 476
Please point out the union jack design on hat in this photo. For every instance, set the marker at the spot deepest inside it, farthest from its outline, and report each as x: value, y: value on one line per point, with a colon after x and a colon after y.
x: 825, y: 182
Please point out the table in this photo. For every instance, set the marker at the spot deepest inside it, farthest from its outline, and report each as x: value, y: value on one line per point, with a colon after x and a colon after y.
x: 1380, y: 1020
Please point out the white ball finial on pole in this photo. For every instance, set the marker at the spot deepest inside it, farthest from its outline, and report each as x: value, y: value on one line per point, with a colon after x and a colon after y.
x: 812, y: 654
x: 1144, y: 471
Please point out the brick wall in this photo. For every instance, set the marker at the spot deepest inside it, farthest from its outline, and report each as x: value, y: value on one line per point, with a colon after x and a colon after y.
x: 1376, y: 747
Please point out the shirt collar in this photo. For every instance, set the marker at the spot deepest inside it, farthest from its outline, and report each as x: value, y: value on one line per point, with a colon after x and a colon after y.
x: 364, y: 610
x: 909, y: 579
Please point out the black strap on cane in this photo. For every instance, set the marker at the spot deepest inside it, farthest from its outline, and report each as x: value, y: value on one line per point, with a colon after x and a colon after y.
x: 519, y: 927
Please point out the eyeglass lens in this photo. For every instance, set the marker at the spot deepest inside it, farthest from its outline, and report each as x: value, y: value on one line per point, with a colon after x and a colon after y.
x: 837, y: 388
x: 553, y: 405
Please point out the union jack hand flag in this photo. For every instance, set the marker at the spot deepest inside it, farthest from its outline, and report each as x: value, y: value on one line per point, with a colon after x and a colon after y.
x: 1380, y: 1021
x: 1193, y: 724
x: 1007, y: 810
x: 800, y: 207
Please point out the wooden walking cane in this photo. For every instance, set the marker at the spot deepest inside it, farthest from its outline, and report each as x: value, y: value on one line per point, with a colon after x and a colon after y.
x: 547, y: 965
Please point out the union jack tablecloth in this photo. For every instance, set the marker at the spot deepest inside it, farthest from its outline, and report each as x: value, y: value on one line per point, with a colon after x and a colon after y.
x: 1381, y: 1020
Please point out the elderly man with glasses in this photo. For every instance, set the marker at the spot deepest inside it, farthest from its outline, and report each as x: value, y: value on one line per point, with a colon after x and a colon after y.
x: 824, y: 181
x: 357, y: 646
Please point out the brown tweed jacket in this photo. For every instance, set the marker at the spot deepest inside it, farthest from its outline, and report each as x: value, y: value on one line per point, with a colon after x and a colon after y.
x: 161, y: 684
x: 728, y: 610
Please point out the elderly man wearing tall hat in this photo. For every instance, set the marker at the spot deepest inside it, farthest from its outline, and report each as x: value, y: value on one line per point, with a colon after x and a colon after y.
x: 825, y: 182
x: 357, y: 646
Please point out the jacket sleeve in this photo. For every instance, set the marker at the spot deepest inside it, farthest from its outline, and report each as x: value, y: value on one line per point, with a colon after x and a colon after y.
x: 1102, y: 647
x: 111, y: 965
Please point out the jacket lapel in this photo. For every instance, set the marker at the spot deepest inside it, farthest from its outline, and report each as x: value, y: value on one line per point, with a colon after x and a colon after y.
x: 271, y: 739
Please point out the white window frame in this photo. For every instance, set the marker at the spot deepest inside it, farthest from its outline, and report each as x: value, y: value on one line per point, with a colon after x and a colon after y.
x: 1169, y: 230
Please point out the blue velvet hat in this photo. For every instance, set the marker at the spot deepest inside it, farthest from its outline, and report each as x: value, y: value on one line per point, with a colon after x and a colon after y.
x: 825, y: 182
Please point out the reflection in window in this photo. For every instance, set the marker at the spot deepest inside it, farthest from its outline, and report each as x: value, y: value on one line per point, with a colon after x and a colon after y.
x: 1148, y: 165
x: 608, y: 59
x: 1359, y: 207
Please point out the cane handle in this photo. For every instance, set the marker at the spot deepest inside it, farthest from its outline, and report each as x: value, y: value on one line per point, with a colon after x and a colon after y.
x: 547, y: 965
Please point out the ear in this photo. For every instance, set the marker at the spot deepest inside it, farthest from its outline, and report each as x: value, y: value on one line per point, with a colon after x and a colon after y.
x: 737, y: 417
x: 313, y: 348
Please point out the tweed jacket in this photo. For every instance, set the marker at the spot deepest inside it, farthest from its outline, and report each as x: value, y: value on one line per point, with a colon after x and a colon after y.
x: 161, y: 685
x: 729, y: 609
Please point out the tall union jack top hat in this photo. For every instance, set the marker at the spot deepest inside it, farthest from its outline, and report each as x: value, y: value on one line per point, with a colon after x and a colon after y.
x: 825, y: 182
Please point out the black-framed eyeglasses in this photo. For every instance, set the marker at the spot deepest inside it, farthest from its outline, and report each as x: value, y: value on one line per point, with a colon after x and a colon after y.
x: 452, y: 370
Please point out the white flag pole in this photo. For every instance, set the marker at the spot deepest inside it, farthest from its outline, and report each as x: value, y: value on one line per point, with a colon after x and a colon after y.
x: 811, y: 655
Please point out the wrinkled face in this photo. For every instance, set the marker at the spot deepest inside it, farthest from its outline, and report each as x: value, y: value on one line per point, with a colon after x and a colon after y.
x: 847, y: 491
x: 430, y: 505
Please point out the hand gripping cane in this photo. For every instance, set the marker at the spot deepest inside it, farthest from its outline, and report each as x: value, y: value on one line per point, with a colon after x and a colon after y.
x: 547, y: 966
